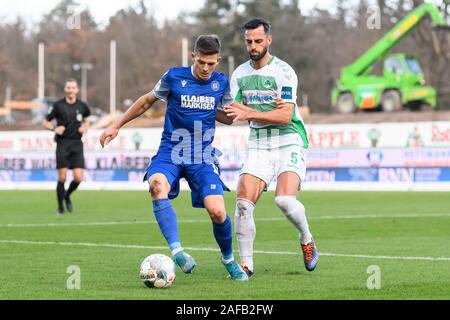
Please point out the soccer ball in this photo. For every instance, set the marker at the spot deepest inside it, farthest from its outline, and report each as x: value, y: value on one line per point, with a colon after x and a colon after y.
x: 157, y: 271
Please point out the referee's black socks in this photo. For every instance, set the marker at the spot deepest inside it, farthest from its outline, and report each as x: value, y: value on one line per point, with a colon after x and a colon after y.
x: 61, y: 192
x: 73, y: 186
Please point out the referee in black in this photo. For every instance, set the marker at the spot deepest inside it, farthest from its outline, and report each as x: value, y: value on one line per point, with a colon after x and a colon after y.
x: 71, y: 123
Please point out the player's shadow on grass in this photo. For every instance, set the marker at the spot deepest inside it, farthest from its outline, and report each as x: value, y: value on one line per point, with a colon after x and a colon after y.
x: 294, y: 273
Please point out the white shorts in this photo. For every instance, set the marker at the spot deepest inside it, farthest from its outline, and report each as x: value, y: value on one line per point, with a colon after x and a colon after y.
x: 267, y: 165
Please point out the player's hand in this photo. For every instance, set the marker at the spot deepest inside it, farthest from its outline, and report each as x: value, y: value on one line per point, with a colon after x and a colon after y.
x: 108, y: 135
x: 59, y: 130
x: 280, y: 103
x: 238, y: 112
x: 82, y: 130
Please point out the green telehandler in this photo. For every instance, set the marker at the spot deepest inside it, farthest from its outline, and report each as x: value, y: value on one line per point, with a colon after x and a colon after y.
x: 402, y: 82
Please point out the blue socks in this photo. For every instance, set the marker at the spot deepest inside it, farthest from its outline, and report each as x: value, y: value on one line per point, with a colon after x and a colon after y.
x: 224, y: 238
x: 167, y: 220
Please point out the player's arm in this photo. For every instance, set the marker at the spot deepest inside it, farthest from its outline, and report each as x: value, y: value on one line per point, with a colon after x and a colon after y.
x: 222, y: 117
x: 84, y: 126
x: 48, y: 125
x: 137, y: 109
x: 285, y: 102
x: 281, y: 115
x: 85, y: 123
x: 227, y: 99
x: 48, y: 122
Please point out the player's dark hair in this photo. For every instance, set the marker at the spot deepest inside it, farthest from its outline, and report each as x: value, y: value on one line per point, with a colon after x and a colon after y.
x: 207, y: 44
x: 256, y: 22
x: 71, y: 80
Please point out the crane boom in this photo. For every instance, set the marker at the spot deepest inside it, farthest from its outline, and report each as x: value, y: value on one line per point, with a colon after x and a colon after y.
x: 393, y: 37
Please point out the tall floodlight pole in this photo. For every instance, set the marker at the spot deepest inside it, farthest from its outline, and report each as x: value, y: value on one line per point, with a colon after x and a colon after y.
x: 41, y: 73
x: 84, y: 67
x: 112, y: 79
x: 8, y: 92
x: 304, y: 100
x: 184, y: 52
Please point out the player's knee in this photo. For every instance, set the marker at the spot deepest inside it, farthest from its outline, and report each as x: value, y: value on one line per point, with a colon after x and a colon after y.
x: 244, y: 223
x: 158, y: 187
x: 217, y: 214
x: 247, y: 192
x: 78, y: 179
x: 244, y: 208
x: 286, y: 203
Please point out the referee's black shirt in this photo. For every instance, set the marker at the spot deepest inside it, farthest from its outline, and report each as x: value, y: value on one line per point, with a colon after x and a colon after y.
x: 70, y: 116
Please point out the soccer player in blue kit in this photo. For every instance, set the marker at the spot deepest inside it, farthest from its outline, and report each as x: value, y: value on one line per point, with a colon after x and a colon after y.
x: 195, y: 98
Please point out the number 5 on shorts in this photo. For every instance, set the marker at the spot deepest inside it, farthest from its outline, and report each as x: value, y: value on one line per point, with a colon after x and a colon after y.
x: 294, y: 157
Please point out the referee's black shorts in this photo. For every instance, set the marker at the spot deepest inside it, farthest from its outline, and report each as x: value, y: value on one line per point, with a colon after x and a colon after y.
x: 69, y: 154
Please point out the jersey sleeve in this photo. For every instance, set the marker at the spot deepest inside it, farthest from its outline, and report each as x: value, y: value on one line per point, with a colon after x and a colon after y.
x: 227, y: 98
x: 51, y: 112
x: 287, y: 85
x: 87, y: 111
x: 235, y: 91
x: 162, y: 88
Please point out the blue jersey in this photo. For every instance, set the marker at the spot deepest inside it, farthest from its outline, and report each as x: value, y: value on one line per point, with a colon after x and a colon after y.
x: 192, y: 105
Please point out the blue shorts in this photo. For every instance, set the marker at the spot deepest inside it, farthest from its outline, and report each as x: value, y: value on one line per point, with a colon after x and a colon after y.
x: 203, y: 179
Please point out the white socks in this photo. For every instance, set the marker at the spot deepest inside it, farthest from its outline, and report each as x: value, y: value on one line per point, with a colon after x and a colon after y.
x: 295, y: 212
x: 245, y: 230
x: 245, y: 227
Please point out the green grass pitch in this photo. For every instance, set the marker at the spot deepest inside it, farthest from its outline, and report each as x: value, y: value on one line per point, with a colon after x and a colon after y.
x: 407, y: 235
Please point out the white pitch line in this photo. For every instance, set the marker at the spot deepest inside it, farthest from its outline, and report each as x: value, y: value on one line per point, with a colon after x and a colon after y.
x: 126, y: 246
x: 79, y: 224
x: 113, y: 223
x: 382, y: 216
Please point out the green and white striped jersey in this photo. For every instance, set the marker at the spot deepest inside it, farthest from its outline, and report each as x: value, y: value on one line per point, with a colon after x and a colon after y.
x: 258, y: 89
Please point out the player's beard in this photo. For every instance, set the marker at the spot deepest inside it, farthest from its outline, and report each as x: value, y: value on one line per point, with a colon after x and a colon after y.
x: 259, y: 56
